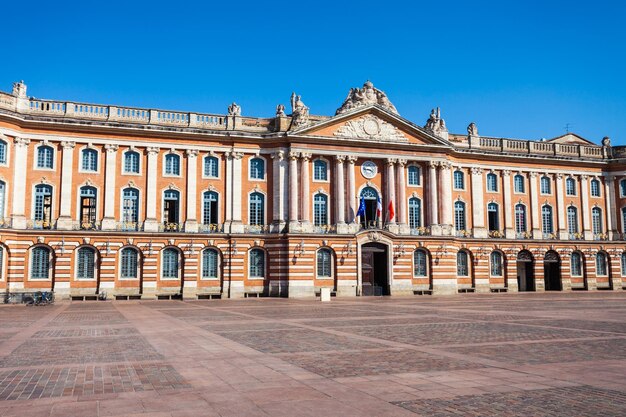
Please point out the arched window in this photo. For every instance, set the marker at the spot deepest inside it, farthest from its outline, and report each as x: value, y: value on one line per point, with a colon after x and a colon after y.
x: 3, y: 152
x: 459, y: 215
x: 211, y: 167
x: 3, y: 189
x: 45, y: 157
x: 324, y: 263
x: 170, y: 263
x: 420, y: 263
x: 42, y: 210
x: 595, y: 188
x: 414, y: 175
x: 257, y: 169
x: 546, y: 219
x: 130, y: 207
x: 209, y: 263
x: 459, y: 180
x: 415, y: 213
x: 623, y: 219
x: 496, y: 264
x: 320, y: 170
x: 172, y: 164
x: 493, y: 216
x: 576, y: 264
x: 596, y: 220
x: 546, y: 185
x: 88, y: 207
x: 85, y: 263
x: 257, y: 263
x: 622, y: 188
x: 170, y: 206
x: 572, y: 220
x: 601, y: 264
x: 257, y: 209
x: 40, y: 263
x: 129, y: 265
x: 520, y: 218
x: 492, y: 182
x: 320, y: 209
x: 131, y: 162
x: 570, y: 186
x: 462, y: 264
x: 623, y: 263
x: 518, y: 183
x: 209, y: 207
x: 90, y: 160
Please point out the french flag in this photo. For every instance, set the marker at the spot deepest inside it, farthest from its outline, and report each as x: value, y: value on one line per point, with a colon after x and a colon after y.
x: 379, y: 207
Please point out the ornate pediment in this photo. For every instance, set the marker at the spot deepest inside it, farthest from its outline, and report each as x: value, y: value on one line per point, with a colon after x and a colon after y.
x: 366, y: 96
x: 371, y: 127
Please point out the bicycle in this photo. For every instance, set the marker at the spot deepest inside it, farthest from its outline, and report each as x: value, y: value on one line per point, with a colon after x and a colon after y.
x: 40, y: 298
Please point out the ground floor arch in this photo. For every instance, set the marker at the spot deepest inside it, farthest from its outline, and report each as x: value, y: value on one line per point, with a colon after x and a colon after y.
x: 525, y: 271
x: 374, y: 269
x: 552, y: 271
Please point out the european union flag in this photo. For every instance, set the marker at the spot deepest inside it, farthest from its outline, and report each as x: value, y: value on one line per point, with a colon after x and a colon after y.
x: 361, y: 211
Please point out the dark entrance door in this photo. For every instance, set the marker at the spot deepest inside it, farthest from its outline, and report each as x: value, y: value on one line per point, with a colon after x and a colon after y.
x: 374, y: 277
x: 552, y: 271
x: 525, y: 271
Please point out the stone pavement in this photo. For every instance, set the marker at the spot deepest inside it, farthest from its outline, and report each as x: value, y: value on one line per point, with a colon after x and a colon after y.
x: 537, y: 355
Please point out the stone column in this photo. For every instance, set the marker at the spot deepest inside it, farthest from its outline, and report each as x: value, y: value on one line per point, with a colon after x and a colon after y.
x: 433, y: 198
x: 509, y: 229
x: 401, y: 196
x: 306, y: 192
x: 353, y: 204
x: 391, y: 195
x: 340, y: 195
x: 611, y: 207
x: 151, y: 224
x: 108, y: 222
x: 445, y: 178
x: 586, y: 210
x: 294, y: 225
x: 18, y: 213
x: 560, y: 202
x: 191, y: 222
x: 67, y: 169
x: 535, y: 207
x: 279, y: 188
x: 236, y: 196
x: 478, y: 204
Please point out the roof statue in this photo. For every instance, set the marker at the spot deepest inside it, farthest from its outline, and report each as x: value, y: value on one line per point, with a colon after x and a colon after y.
x: 234, y: 109
x: 299, y: 112
x: 366, y: 96
x: 436, y: 124
x: 19, y: 89
x: 472, y: 129
x: 280, y: 110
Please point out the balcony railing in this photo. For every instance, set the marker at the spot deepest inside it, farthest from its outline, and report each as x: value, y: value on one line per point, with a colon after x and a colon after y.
x: 463, y: 233
x: 576, y: 236
x: 170, y: 227
x: 211, y: 228
x: 5, y: 223
x: 549, y: 236
x: 523, y: 235
x: 496, y: 234
x: 40, y: 225
x: 326, y: 228
x: 249, y: 228
x: 600, y: 236
x: 420, y: 231
x: 87, y: 226
x: 128, y: 226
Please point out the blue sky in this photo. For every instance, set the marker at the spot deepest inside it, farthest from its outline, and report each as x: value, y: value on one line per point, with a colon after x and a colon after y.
x: 517, y: 68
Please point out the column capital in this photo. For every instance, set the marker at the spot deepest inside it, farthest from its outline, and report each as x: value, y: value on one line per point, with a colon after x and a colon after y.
x: 234, y: 155
x: 559, y: 175
x: 294, y: 155
x: 391, y: 161
x: 340, y: 158
x: 66, y: 144
x: 152, y: 150
x: 111, y: 148
x: 351, y: 159
x: 584, y: 177
x: 433, y: 164
x: 401, y: 162
x: 506, y: 173
x: 306, y: 156
x: 477, y: 171
x: 21, y: 141
x: 533, y: 174
x: 191, y: 153
x: 445, y: 165
x: 280, y: 155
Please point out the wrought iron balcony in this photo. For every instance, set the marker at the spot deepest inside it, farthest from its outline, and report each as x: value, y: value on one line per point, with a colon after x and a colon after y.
x: 170, y: 227
x: 40, y: 225
x: 87, y: 226
x: 249, y: 228
x: 325, y: 228
x: 464, y: 233
x: 420, y: 231
x: 496, y: 234
x: 129, y: 226
x: 523, y: 235
x: 211, y: 228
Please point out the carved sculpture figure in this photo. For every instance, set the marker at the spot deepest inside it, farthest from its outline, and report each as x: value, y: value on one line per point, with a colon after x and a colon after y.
x: 472, y: 129
x: 435, y: 123
x: 280, y: 110
x: 368, y: 95
x: 234, y: 109
x: 299, y: 112
x: 19, y: 89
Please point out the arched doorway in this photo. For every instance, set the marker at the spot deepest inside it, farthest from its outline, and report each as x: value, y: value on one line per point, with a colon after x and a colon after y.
x: 525, y: 271
x: 552, y: 271
x: 370, y: 198
x: 374, y: 274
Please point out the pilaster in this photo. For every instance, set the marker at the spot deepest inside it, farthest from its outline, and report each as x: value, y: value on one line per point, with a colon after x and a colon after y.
x: 294, y: 224
x: 151, y: 223
x: 445, y: 176
x: 535, y: 209
x: 433, y: 198
x: 391, y: 193
x: 280, y: 198
x: 560, y: 202
x: 352, y: 200
x: 509, y: 230
x: 478, y: 204
x: 191, y: 222
x: 401, y: 197
x: 108, y: 222
x: 586, y: 211
x: 306, y: 200
x: 65, y: 212
x: 236, y: 223
x: 611, y: 207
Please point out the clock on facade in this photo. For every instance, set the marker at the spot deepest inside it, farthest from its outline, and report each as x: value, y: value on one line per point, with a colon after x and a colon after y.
x: 369, y: 169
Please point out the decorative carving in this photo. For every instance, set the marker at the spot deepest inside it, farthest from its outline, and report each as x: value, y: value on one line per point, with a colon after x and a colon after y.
x: 86, y: 240
x: 111, y: 147
x: 533, y: 174
x: 234, y: 109
x: 299, y: 112
x: 306, y: 156
x: 340, y: 158
x: 234, y: 154
x: 584, y: 177
x: 435, y: 123
x: 280, y: 155
x: 280, y: 110
x: 132, y: 184
x: 606, y: 142
x: 21, y: 141
x: 351, y: 159
x: 40, y: 239
x: 366, y: 96
x: 294, y: 155
x: 129, y: 240
x: 374, y: 236
x: 551, y: 256
x: 445, y: 165
x: 506, y: 173
x: 171, y: 242
x: 152, y: 150
x: 472, y: 129
x: 191, y: 153
x: 433, y: 164
x: 371, y: 127
x: 559, y: 176
x: 390, y: 161
x: 19, y: 89
x: 402, y: 162
x: 525, y: 256
x: 477, y: 171
x: 89, y: 182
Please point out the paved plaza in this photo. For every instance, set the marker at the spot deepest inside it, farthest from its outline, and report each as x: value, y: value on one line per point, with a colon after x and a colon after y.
x: 550, y: 354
